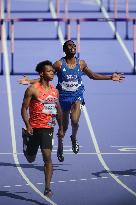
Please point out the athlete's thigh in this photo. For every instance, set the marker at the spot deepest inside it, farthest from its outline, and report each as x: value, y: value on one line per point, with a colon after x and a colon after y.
x: 46, y: 136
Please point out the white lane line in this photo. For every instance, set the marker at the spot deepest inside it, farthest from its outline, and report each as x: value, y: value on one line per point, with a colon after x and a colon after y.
x: 117, y: 34
x: 104, y: 177
x: 126, y: 175
x: 130, y: 60
x: 102, y: 153
x: 99, y: 155
x: 83, y: 179
x: 11, y: 117
x: 65, y: 150
x: 82, y: 153
x: 89, y: 124
x: 66, y: 146
x: 18, y: 185
x: 90, y: 2
x: 72, y: 180
x: 122, y: 146
x: 63, y: 181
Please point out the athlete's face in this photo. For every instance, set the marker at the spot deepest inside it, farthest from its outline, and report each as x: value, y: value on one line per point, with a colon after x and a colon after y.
x: 70, y: 48
x: 48, y: 73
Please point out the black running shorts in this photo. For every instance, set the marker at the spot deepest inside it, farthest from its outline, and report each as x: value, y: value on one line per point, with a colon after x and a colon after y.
x: 41, y: 137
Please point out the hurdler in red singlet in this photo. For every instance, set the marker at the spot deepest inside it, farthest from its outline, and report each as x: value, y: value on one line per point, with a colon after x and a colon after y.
x: 42, y: 100
x: 42, y: 109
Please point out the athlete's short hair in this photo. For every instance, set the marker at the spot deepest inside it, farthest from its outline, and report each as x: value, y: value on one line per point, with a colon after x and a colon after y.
x: 41, y: 65
x: 65, y: 44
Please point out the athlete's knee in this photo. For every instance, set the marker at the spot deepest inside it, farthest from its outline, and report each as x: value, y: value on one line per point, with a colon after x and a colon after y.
x: 65, y: 130
x: 65, y: 127
x: 47, y: 157
x: 47, y: 160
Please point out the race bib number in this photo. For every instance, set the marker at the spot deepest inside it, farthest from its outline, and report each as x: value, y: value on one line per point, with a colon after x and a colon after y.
x: 70, y: 86
x: 50, y: 108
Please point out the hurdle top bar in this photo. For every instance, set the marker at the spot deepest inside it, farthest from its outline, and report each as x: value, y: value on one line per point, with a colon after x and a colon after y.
x: 68, y: 19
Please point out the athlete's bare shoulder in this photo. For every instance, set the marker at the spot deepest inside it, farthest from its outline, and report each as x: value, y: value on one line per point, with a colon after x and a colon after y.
x: 57, y: 65
x: 30, y: 90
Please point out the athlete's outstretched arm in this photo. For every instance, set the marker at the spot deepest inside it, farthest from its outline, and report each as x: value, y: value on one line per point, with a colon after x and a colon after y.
x: 95, y: 76
x: 24, y: 108
x: 26, y: 81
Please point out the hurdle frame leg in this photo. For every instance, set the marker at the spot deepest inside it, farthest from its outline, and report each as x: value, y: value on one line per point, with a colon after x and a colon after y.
x: 12, y: 47
x: 2, y: 55
x: 127, y: 30
x: 134, y: 46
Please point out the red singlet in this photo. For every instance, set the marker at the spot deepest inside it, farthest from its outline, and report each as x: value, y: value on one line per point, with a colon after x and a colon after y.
x: 43, y: 109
